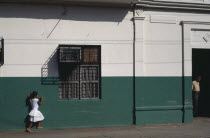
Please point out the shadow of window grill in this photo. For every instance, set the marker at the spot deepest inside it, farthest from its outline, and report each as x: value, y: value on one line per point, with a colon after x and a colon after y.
x: 49, y: 71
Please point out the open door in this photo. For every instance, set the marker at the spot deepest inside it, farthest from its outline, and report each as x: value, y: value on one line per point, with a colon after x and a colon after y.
x: 201, y: 67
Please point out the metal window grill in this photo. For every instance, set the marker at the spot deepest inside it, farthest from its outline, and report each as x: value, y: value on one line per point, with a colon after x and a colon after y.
x: 80, y: 80
x: 69, y: 82
x: 89, y: 79
x: 69, y: 54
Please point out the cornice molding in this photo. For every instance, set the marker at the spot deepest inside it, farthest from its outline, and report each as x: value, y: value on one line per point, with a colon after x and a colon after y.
x: 195, y: 22
x: 139, y: 18
x: 174, y: 5
x: 77, y: 2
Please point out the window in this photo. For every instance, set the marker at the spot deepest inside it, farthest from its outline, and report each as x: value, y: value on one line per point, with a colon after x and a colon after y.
x: 79, y: 72
x: 1, y: 51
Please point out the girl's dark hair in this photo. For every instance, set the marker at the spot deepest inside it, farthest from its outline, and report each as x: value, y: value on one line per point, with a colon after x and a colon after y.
x: 33, y: 94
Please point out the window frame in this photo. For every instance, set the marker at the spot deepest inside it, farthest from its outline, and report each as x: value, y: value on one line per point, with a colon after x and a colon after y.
x: 98, y: 63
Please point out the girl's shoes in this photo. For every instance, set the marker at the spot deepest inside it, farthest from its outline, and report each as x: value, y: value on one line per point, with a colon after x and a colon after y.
x: 39, y: 127
x: 28, y: 130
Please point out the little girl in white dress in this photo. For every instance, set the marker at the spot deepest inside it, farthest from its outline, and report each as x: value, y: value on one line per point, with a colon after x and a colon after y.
x: 35, y: 114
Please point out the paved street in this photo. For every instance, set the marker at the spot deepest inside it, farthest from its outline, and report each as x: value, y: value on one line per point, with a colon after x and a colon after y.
x: 200, y: 128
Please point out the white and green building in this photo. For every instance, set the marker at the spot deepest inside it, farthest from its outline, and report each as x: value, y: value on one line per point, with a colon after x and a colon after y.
x: 100, y: 63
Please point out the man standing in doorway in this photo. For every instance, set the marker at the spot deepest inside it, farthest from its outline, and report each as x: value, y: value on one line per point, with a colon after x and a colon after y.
x: 196, y: 93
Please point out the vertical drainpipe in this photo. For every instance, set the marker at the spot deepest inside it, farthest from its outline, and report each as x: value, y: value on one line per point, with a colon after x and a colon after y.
x: 134, y: 60
x: 183, y: 75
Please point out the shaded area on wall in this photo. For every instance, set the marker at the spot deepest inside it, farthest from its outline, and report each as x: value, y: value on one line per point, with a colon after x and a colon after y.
x: 49, y: 71
x: 76, y: 13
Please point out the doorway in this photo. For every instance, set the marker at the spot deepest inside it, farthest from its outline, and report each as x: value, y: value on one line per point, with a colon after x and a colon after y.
x: 201, y: 67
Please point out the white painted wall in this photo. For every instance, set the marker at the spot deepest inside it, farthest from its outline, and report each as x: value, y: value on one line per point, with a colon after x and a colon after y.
x: 162, y: 42
x: 29, y: 39
x: 193, y: 38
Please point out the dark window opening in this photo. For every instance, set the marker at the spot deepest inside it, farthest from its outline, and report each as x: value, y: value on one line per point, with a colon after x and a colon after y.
x: 79, y: 72
x: 1, y: 51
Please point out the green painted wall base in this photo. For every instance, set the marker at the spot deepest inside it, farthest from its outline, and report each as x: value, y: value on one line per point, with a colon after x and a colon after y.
x: 161, y: 100
x: 158, y: 100
x: 158, y: 117
x: 188, y: 116
x: 114, y: 109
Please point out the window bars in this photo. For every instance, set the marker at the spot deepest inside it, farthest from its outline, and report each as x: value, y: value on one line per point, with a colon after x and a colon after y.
x: 80, y: 72
x: 70, y: 54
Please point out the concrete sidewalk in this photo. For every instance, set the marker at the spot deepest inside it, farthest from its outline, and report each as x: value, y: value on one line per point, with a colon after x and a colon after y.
x: 200, y: 128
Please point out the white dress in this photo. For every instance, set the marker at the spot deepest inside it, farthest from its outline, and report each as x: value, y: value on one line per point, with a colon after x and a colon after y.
x: 35, y: 114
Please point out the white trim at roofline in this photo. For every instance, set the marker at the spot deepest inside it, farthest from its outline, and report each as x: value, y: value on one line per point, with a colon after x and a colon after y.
x: 194, y: 22
x: 87, y: 2
x: 174, y: 5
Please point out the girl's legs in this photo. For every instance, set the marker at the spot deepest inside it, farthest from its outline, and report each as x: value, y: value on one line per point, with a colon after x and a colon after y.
x: 29, y: 127
x: 39, y: 125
